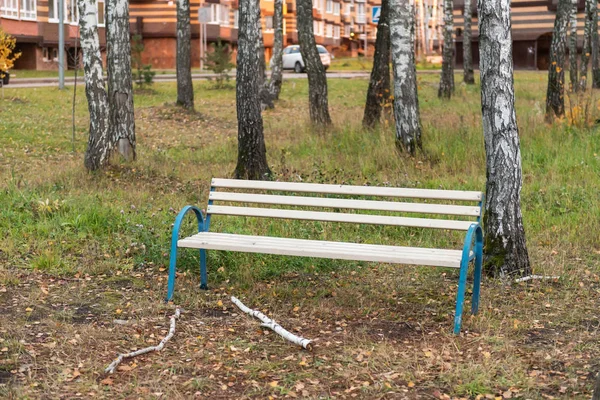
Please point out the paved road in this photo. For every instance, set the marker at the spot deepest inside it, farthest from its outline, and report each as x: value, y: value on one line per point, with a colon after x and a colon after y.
x: 49, y: 82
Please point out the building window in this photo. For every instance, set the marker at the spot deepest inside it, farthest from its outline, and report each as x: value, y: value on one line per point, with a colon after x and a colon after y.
x: 269, y: 23
x: 236, y: 18
x: 360, y: 13
x: 72, y: 13
x: 329, y: 32
x: 329, y: 6
x: 336, y: 8
x: 347, y: 30
x: 10, y: 8
x: 219, y: 14
x: 336, y: 32
x: 348, y: 9
x: 28, y: 9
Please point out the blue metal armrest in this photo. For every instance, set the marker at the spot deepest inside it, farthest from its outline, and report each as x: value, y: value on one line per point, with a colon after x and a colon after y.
x: 173, y: 257
x: 474, y: 232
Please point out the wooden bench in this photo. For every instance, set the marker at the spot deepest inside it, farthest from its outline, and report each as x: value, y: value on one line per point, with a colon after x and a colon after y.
x: 292, y: 195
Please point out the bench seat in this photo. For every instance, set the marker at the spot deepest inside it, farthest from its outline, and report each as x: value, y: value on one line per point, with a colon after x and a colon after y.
x: 441, y: 210
x: 324, y: 249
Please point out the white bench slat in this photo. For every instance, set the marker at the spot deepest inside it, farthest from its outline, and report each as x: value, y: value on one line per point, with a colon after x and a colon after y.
x: 322, y: 249
x: 339, y: 217
x: 345, y: 203
x: 276, y: 242
x: 348, y: 190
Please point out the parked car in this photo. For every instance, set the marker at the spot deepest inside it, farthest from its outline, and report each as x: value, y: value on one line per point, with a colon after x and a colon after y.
x: 292, y: 59
x: 6, y: 77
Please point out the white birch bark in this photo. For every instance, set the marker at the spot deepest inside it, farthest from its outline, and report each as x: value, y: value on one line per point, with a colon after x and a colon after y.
x: 586, y: 51
x: 505, y: 250
x: 447, y: 78
x: 467, y: 45
x: 120, y: 85
x: 555, y: 94
x: 406, y: 102
x: 100, y: 144
x: 317, y: 80
x: 595, y: 48
x: 274, y: 326
x: 573, y: 68
x: 252, y: 152
x: 185, y: 87
x: 276, y: 78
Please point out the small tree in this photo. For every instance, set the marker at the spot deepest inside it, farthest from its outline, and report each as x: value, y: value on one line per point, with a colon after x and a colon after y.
x: 7, y: 54
x: 143, y: 76
x: 219, y: 62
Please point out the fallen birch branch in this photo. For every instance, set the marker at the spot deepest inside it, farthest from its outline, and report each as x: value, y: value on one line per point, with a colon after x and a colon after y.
x: 274, y: 326
x: 534, y: 277
x: 111, y: 368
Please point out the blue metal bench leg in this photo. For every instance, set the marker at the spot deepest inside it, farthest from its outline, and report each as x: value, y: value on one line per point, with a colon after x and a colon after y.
x: 478, y: 272
x: 173, y: 257
x: 460, y: 296
x: 203, y: 277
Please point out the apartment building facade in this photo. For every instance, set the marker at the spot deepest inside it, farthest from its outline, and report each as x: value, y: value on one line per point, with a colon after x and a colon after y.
x: 343, y: 26
x: 532, y: 25
x: 34, y: 23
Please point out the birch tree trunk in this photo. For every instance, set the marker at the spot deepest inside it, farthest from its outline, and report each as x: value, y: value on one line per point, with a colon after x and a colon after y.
x: 378, y: 93
x: 317, y: 80
x: 590, y: 6
x: 276, y: 79
x: 99, y: 142
x: 573, y: 69
x: 467, y: 45
x: 406, y: 101
x: 555, y: 95
x: 595, y: 48
x: 447, y: 78
x: 262, y: 67
x: 185, y: 87
x: 252, y: 153
x: 505, y: 250
x: 120, y: 86
x: 434, y: 22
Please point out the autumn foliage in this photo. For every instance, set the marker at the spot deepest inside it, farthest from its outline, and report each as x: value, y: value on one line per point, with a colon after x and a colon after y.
x: 7, y: 52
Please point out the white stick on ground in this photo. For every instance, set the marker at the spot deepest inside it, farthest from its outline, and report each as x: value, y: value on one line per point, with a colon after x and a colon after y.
x: 533, y: 277
x: 274, y: 326
x: 111, y: 368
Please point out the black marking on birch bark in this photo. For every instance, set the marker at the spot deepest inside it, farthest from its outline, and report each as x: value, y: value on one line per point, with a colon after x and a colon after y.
x: 505, y: 250
x: 555, y: 94
x: 100, y: 144
x: 317, y: 80
x: 586, y: 50
x: 185, y: 87
x: 447, y: 78
x: 379, y: 93
x: 252, y: 157
x: 573, y: 67
x: 406, y: 101
x: 120, y: 85
x: 467, y: 45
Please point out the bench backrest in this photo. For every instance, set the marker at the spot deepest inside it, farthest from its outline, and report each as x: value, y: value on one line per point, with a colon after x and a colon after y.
x: 298, y: 195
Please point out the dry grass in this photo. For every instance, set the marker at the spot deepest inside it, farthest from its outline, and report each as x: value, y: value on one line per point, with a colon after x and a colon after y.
x: 97, y: 252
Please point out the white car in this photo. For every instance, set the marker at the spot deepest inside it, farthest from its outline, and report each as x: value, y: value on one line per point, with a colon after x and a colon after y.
x: 292, y: 59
